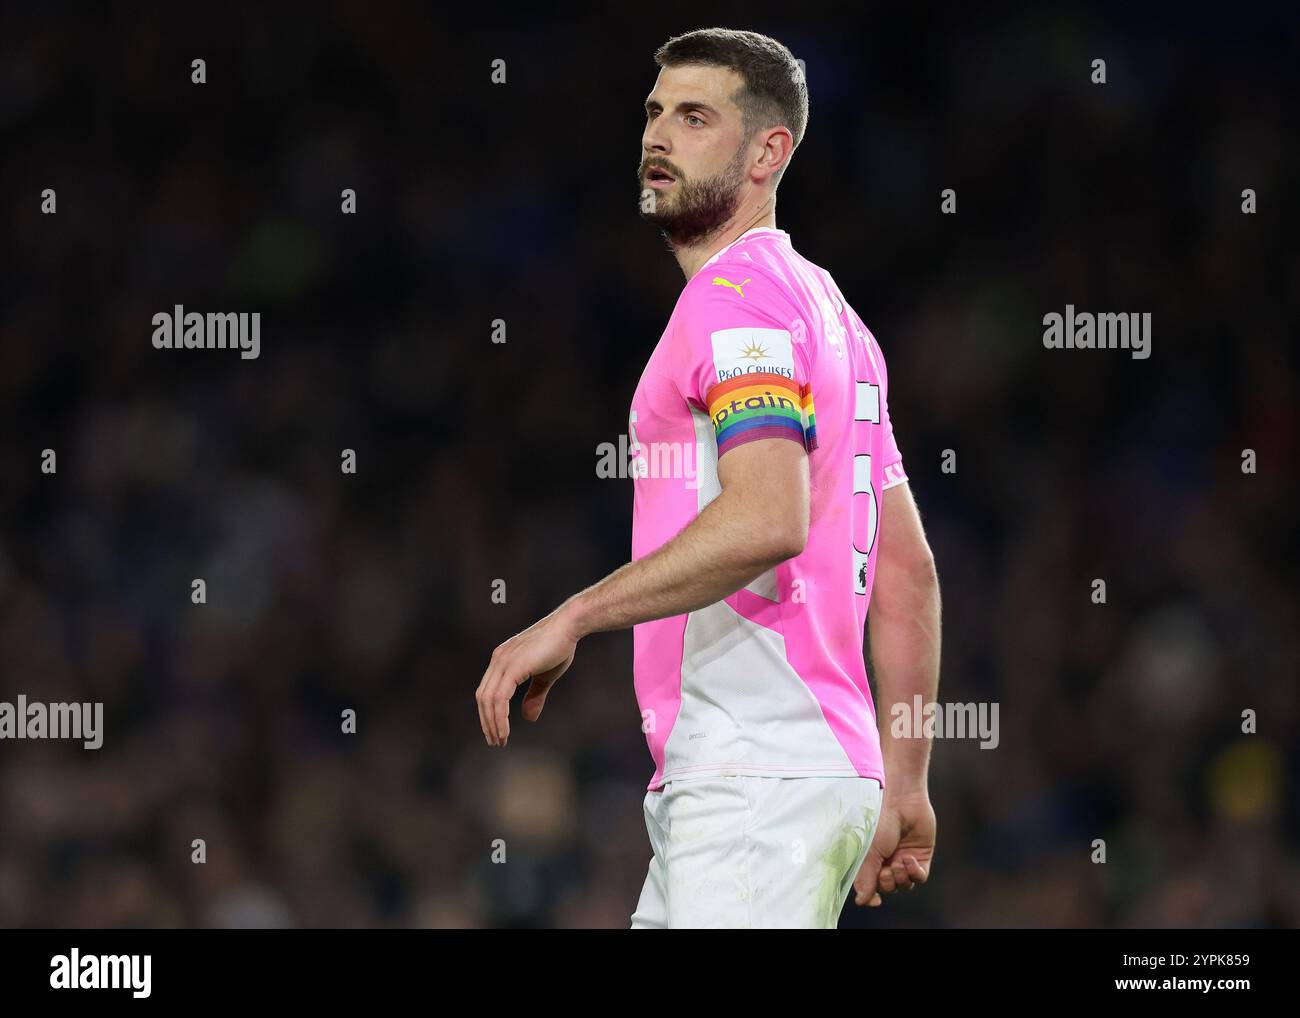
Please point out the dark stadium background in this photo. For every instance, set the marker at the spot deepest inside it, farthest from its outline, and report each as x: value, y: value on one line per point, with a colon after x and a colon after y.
x: 476, y: 461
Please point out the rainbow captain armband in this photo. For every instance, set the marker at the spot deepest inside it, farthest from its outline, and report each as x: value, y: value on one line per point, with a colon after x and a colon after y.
x: 809, y: 418
x: 761, y: 404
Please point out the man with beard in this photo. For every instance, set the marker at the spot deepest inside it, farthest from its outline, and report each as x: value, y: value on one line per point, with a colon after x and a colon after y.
x: 750, y: 579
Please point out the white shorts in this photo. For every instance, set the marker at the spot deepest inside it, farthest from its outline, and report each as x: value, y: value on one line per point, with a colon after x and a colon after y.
x: 745, y: 852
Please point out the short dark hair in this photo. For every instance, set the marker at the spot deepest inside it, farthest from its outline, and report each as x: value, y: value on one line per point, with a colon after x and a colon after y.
x: 774, y: 92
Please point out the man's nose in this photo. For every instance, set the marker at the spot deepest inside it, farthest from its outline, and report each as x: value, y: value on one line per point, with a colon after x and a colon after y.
x: 654, y: 142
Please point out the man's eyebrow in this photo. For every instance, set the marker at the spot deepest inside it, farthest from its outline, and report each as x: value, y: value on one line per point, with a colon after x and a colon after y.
x: 687, y: 104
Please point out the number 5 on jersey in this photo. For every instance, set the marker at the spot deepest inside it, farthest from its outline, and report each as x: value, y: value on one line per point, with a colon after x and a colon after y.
x: 867, y: 408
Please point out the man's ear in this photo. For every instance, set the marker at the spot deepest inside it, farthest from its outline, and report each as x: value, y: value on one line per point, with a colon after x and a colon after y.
x: 778, y: 146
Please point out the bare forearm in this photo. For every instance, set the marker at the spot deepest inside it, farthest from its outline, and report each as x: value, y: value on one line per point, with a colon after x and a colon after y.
x: 722, y: 550
x: 905, y: 642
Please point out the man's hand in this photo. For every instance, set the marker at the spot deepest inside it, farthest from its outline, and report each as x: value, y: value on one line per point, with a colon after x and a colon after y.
x: 901, y: 852
x: 542, y: 652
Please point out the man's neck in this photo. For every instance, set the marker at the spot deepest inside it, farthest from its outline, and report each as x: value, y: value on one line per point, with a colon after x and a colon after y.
x: 693, y: 257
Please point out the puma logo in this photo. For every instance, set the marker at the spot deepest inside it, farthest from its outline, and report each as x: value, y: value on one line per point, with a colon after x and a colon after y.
x: 719, y: 281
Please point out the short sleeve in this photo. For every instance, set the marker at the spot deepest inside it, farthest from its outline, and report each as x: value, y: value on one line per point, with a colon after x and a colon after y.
x: 891, y: 455
x: 737, y: 358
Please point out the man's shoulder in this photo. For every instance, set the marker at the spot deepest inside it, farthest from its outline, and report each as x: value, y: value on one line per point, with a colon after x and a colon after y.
x: 734, y: 285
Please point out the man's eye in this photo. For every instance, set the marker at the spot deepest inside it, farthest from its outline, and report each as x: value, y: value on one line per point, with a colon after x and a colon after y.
x: 692, y: 116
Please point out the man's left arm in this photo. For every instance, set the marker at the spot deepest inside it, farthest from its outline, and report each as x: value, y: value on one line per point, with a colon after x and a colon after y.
x: 759, y: 520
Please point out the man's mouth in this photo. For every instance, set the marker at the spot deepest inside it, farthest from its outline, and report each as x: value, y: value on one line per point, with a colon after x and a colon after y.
x: 657, y: 178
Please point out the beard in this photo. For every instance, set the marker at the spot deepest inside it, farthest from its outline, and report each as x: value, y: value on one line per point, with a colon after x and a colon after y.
x: 696, y: 209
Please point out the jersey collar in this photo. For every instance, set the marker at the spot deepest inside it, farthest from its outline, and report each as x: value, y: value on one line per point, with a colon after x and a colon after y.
x: 751, y: 232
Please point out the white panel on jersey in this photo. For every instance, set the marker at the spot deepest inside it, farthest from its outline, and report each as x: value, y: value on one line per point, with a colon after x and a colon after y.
x: 709, y: 488
x: 744, y: 706
x: 764, y: 585
x: 867, y: 403
x: 744, y: 350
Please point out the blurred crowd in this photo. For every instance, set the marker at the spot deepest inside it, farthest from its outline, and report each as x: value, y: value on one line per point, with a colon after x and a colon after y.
x: 1121, y: 723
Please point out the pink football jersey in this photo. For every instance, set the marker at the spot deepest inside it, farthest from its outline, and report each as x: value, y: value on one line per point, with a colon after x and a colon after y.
x: 771, y: 680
